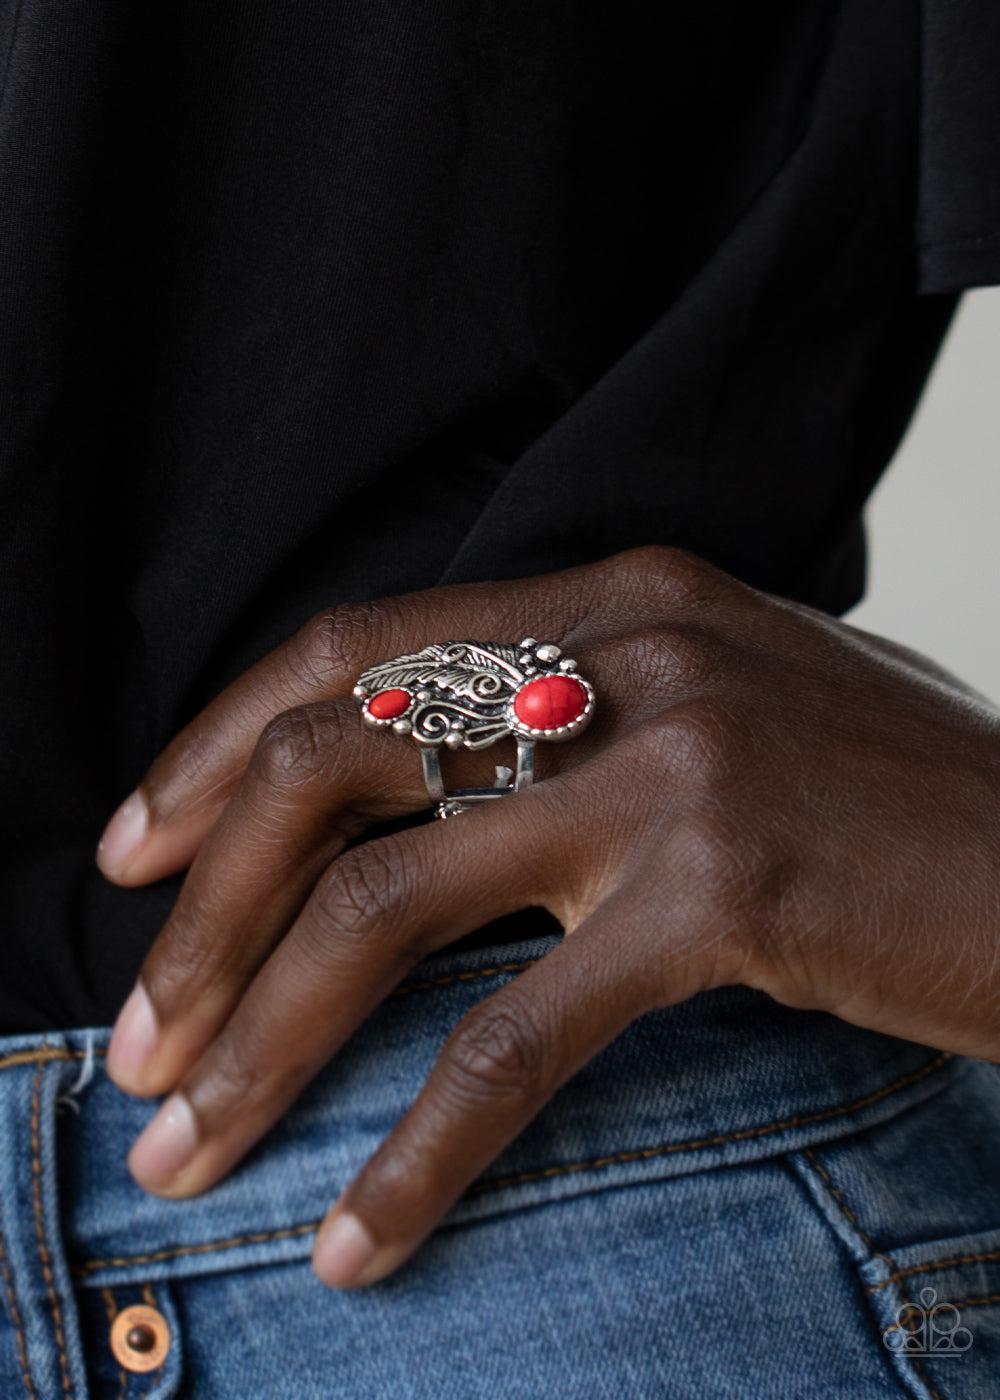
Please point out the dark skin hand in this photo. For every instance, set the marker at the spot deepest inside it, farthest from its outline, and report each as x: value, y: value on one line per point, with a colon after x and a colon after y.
x: 766, y: 796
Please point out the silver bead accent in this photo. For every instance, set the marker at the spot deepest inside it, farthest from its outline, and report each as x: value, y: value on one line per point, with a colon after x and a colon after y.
x: 463, y: 696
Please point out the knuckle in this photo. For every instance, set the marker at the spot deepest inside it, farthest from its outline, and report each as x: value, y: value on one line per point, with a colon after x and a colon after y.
x: 685, y: 655
x: 675, y: 576
x: 496, y: 1049
x: 646, y: 559
x: 185, y: 774
x: 363, y: 895
x: 744, y: 880
x: 401, y: 1182
x: 296, y: 745
x: 232, y: 1072
x: 181, y: 955
x: 714, y: 855
x: 195, y: 759
x: 334, y: 644
x: 195, y: 949
x: 699, y: 742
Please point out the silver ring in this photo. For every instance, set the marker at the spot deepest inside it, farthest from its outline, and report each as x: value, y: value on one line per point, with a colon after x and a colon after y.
x: 467, y: 695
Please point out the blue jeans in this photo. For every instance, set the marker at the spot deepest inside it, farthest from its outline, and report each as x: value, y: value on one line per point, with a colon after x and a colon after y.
x: 734, y: 1199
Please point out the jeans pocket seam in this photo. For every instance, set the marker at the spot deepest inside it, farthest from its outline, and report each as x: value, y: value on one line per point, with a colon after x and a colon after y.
x: 985, y: 1257
x: 868, y: 1251
x: 16, y: 1321
x: 44, y: 1253
x: 847, y: 1211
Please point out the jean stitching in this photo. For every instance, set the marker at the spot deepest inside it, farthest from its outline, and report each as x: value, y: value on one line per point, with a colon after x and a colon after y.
x: 15, y: 1317
x: 43, y: 1248
x: 91, y: 1266
x: 470, y: 976
x: 845, y: 1210
x: 111, y: 1308
x: 976, y: 1302
x: 837, y: 1194
x: 798, y: 1120
x: 44, y: 1056
x: 208, y: 1247
x: 935, y: 1264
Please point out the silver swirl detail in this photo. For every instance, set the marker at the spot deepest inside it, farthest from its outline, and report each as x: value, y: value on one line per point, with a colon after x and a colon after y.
x: 463, y: 691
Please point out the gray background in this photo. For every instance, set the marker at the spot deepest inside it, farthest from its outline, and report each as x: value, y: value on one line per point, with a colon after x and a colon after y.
x: 933, y: 522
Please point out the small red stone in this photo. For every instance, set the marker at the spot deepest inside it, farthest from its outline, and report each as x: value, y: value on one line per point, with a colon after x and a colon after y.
x: 550, y: 701
x: 389, y: 704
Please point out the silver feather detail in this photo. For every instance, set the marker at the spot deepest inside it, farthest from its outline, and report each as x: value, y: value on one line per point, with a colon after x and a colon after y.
x: 470, y: 684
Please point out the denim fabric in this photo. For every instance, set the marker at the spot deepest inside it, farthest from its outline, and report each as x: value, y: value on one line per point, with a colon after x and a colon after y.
x: 734, y: 1199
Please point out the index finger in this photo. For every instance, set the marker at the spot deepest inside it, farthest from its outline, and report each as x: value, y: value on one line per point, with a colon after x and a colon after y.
x: 159, y: 828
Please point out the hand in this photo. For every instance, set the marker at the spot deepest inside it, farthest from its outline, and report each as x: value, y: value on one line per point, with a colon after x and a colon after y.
x: 766, y: 796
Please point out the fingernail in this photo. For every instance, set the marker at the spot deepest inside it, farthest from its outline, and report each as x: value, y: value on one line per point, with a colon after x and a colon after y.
x: 133, y: 1040
x: 123, y: 835
x: 166, y: 1146
x: 343, y: 1251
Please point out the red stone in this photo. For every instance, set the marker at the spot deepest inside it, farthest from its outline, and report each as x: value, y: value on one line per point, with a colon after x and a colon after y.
x: 550, y: 701
x: 389, y: 704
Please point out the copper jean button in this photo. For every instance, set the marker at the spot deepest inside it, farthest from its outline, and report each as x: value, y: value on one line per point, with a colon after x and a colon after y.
x: 140, y: 1338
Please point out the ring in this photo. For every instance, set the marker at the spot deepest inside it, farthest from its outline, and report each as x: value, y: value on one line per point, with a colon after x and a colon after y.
x: 467, y: 695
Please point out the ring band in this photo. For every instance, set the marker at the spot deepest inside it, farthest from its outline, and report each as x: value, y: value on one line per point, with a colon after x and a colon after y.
x: 467, y: 695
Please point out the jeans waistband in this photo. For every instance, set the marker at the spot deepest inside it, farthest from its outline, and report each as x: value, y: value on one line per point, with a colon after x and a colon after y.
x: 729, y: 1077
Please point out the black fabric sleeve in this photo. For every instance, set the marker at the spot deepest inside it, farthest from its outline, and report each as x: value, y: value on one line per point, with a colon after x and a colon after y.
x: 958, y: 215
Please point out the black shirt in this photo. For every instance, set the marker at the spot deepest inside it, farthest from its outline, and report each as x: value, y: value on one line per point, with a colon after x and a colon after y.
x: 314, y: 302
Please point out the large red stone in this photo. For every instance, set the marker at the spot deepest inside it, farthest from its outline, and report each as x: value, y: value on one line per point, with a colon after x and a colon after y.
x: 389, y: 704
x: 550, y: 701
